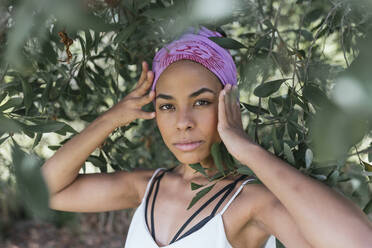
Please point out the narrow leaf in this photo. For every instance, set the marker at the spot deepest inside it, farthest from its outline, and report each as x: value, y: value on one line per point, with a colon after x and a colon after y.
x: 255, y: 109
x: 8, y: 125
x: 272, y: 107
x: 27, y: 94
x: 12, y: 102
x: 48, y: 127
x: 3, y: 139
x: 198, y: 168
x: 216, y: 154
x: 199, y: 195
x: 245, y: 170
x: 195, y: 186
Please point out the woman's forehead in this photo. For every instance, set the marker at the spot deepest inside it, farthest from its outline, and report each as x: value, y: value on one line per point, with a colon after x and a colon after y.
x: 185, y: 77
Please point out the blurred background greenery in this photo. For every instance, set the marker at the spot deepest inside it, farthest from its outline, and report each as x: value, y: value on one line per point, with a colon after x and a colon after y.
x: 304, y: 78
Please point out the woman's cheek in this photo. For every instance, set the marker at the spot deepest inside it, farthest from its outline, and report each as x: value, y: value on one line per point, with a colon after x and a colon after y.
x: 163, y: 123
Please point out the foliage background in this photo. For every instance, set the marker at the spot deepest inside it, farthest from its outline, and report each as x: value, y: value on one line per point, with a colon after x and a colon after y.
x: 304, y: 79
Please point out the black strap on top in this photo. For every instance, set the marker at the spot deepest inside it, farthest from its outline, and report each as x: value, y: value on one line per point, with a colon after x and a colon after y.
x: 228, y: 188
x: 157, y: 180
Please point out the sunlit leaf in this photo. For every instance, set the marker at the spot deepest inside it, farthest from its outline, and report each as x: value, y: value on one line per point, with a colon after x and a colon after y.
x: 11, y: 103
x: 308, y: 158
x: 289, y: 154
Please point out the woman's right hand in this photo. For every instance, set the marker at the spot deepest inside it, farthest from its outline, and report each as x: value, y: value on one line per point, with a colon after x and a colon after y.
x: 129, y: 108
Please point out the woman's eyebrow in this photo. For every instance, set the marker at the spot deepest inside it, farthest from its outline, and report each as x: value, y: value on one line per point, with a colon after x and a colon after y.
x: 196, y: 93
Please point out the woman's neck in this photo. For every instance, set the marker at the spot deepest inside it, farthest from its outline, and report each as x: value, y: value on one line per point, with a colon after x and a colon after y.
x: 189, y: 174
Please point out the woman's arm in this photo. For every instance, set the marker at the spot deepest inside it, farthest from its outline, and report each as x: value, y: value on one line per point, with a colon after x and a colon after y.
x: 325, y: 217
x: 69, y: 190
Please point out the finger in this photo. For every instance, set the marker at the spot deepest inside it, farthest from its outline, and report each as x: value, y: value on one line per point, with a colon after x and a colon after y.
x: 147, y: 115
x: 221, y: 108
x: 143, y: 88
x: 143, y: 74
x: 235, y: 104
x: 147, y: 98
x: 228, y: 106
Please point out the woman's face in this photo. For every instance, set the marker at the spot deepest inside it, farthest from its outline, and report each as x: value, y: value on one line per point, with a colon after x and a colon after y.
x: 186, y: 110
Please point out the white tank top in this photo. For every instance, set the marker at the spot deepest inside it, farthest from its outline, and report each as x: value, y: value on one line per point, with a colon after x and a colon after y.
x: 210, y: 235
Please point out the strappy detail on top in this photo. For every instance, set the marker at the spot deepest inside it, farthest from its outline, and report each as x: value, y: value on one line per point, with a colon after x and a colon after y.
x: 227, y: 189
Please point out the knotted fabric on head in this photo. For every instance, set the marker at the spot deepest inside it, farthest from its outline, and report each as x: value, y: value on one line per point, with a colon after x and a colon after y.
x: 198, y: 48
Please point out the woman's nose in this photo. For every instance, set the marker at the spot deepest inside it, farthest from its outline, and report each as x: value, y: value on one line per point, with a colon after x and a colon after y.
x: 184, y: 120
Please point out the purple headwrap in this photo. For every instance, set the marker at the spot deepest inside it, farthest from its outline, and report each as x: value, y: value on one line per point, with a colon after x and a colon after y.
x: 198, y: 48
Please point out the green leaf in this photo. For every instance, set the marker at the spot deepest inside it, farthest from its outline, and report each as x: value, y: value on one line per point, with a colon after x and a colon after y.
x: 88, y: 40
x: 276, y: 144
x: 227, y: 158
x: 268, y: 88
x: 292, y: 130
x: 89, y: 117
x: 306, y: 34
x: 9, y: 125
x: 12, y: 102
x: 288, y: 154
x: 315, y: 95
x: 37, y: 140
x: 30, y: 182
x: 82, y: 44
x: 216, y: 154
x: 199, y: 195
x: 272, y: 107
x: 3, y: 139
x: 49, y: 53
x: 245, y: 170
x: 27, y: 94
x: 2, y: 96
x: 255, y: 109
x: 54, y: 148
x: 368, y: 208
x: 51, y: 126
x: 215, y: 176
x: 195, y: 186
x: 98, y: 162
x: 278, y: 244
x: 227, y: 43
x: 198, y: 168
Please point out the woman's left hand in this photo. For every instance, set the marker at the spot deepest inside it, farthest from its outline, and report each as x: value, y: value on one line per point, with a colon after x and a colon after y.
x: 230, y: 126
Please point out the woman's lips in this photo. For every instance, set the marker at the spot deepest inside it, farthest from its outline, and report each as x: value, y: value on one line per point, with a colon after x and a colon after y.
x: 188, y: 146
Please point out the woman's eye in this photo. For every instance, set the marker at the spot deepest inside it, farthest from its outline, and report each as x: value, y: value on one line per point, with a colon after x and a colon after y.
x: 165, y: 107
x: 202, y: 102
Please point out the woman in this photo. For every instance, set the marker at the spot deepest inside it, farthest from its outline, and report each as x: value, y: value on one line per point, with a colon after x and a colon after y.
x: 195, y: 107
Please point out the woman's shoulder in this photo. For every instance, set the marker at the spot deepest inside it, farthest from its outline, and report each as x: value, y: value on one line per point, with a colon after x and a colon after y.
x: 257, y: 195
x: 143, y: 177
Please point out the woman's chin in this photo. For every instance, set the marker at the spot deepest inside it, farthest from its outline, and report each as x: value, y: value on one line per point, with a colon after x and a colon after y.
x: 190, y: 158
